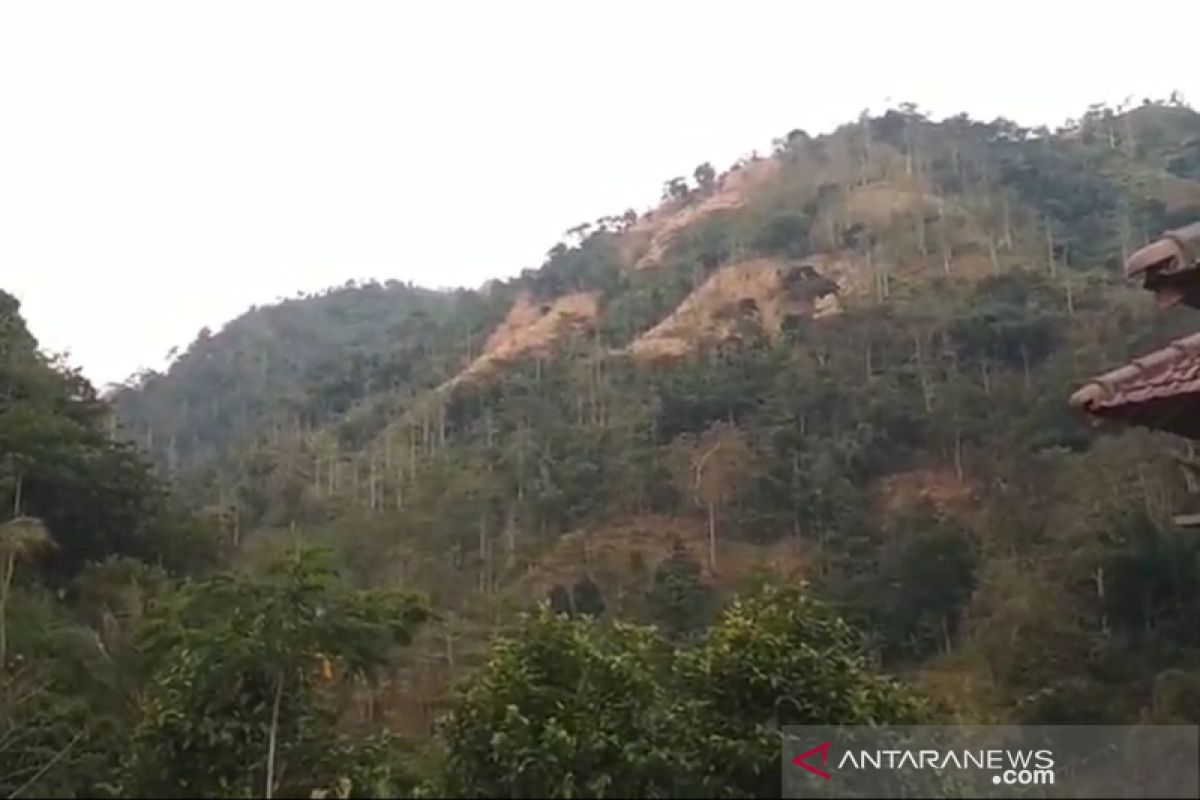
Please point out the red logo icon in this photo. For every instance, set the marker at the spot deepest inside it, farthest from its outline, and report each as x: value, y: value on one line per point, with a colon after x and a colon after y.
x: 800, y: 761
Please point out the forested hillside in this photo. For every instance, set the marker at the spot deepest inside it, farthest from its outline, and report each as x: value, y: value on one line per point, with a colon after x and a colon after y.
x: 800, y: 432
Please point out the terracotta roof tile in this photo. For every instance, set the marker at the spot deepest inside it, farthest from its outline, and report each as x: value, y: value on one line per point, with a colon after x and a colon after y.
x: 1177, y: 249
x: 1160, y: 390
x: 1169, y: 373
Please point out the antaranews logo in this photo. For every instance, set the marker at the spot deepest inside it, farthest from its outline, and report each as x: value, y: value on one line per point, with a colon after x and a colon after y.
x: 1009, y: 767
x: 802, y: 759
x: 1080, y: 761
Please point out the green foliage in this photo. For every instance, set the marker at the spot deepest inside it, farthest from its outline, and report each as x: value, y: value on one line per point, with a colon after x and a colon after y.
x: 570, y: 708
x: 779, y: 658
x: 593, y: 266
x: 58, y: 463
x: 588, y: 599
x: 678, y: 600
x: 917, y: 597
x: 240, y: 662
x: 785, y: 233
x: 295, y: 367
x: 564, y: 708
x: 582, y: 599
x: 1012, y: 321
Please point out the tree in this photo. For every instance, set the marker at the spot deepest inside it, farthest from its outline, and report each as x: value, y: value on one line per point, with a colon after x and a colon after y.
x: 20, y: 538
x: 564, y: 708
x: 710, y: 468
x: 925, y: 580
x: 779, y: 657
x: 245, y: 677
x: 785, y: 233
x: 705, y: 176
x: 678, y: 599
x: 676, y: 189
x: 587, y: 597
x: 570, y: 708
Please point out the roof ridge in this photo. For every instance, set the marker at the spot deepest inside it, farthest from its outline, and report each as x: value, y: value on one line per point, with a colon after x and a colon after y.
x: 1104, y: 386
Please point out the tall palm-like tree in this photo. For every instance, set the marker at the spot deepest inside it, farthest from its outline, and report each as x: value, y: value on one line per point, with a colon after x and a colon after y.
x: 20, y: 538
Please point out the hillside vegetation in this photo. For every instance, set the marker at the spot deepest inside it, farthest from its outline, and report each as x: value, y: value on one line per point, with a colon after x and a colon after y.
x: 818, y: 399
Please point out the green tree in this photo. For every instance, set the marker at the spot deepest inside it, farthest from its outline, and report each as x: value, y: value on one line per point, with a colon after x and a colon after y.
x: 921, y: 590
x: 20, y: 538
x: 246, y: 672
x: 678, y: 598
x: 779, y: 657
x: 587, y: 597
x: 570, y: 708
x: 676, y: 189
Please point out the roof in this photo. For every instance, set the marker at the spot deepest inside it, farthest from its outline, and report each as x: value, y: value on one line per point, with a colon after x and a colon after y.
x: 1170, y: 266
x: 1177, y: 248
x: 1160, y: 390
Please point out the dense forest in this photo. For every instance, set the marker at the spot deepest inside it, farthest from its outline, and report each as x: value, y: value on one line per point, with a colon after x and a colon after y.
x: 791, y: 447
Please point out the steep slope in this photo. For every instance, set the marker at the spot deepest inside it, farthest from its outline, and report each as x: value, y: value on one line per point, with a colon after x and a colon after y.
x: 345, y: 397
x: 764, y: 294
x: 848, y: 361
x: 977, y: 242
x: 646, y: 243
x: 530, y: 329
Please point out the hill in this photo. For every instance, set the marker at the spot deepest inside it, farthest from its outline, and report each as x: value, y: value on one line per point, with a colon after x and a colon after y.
x: 823, y: 347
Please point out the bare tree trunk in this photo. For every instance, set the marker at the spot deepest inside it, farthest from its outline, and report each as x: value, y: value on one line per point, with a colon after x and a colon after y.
x: 958, y: 464
x: 945, y: 240
x: 1007, y: 217
x: 17, y: 497
x: 10, y: 564
x: 1189, y: 473
x: 271, y: 737
x: 874, y: 275
x: 483, y: 565
x: 1050, y: 249
x: 442, y: 422
x: 510, y: 539
x: 908, y: 149
x: 712, y: 537
x: 1126, y: 230
x: 400, y: 486
x: 926, y: 395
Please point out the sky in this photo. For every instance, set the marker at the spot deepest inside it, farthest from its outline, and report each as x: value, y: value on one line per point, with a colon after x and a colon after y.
x: 166, y: 165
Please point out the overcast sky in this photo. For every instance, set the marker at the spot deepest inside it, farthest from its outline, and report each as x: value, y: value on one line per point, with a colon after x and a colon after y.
x: 164, y: 165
